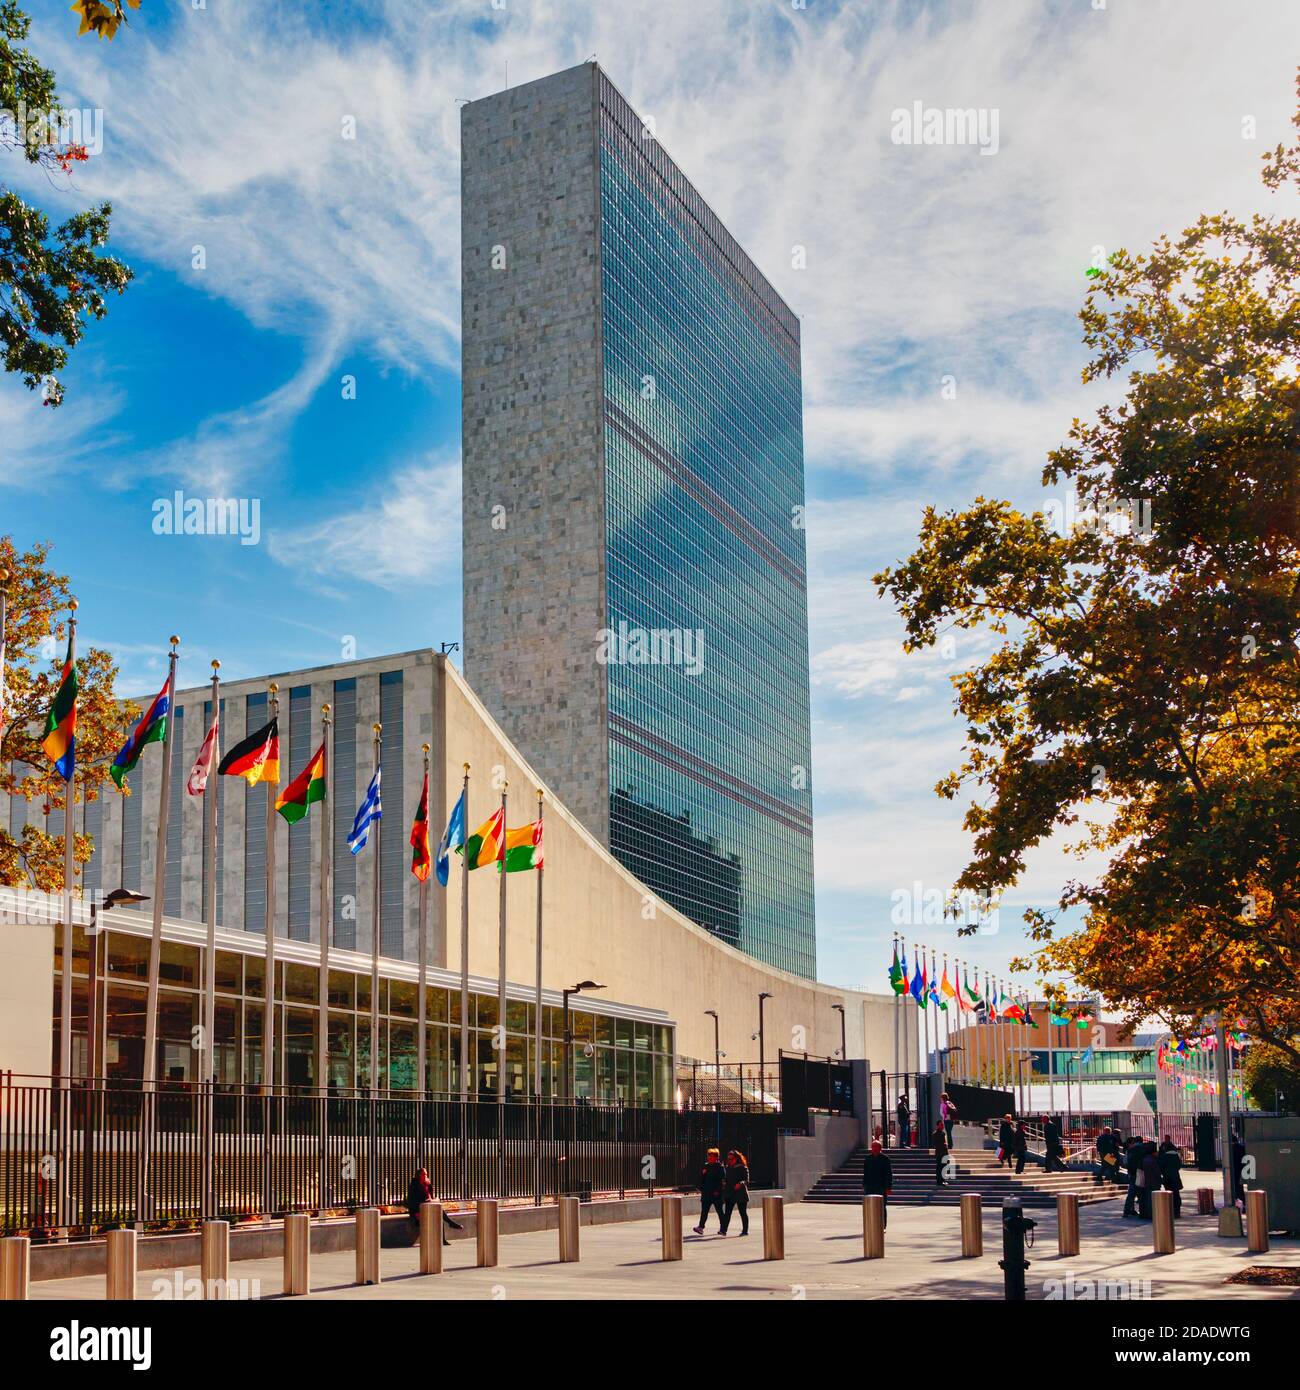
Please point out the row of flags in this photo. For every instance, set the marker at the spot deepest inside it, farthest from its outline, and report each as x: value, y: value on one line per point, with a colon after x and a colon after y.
x: 925, y: 988
x: 256, y: 758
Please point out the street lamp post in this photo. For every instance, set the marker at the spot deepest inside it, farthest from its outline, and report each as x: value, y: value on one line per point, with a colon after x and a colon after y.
x: 117, y: 898
x: 717, y: 1059
x: 569, y: 1085
x: 844, y: 1036
x: 762, y: 1074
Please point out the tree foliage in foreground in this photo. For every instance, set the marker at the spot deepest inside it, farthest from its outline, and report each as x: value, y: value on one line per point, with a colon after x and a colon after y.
x: 1146, y: 688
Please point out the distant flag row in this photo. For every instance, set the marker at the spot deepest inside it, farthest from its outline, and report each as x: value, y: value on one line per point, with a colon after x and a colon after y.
x: 926, y: 989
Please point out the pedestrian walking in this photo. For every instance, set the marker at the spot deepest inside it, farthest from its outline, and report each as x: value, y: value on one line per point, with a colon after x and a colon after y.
x: 1107, y: 1155
x: 1171, y: 1173
x: 904, y: 1122
x: 947, y: 1114
x: 878, y: 1177
x: 1020, y: 1145
x: 1149, y: 1175
x: 939, y: 1143
x: 737, y: 1190
x: 1133, y: 1169
x: 1238, y: 1169
x: 1006, y: 1141
x: 713, y: 1183
x: 1053, y: 1146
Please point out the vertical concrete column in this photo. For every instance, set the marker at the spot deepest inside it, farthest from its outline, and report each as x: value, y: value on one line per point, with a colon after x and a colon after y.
x: 214, y: 1258
x: 120, y: 1266
x: 1067, y: 1223
x: 670, y: 1226
x: 873, y: 1227
x: 489, y: 1232
x: 972, y: 1225
x: 1162, y: 1222
x: 15, y: 1268
x: 368, y: 1245
x: 774, y: 1228
x: 431, y: 1238
x: 570, y: 1211
x: 1257, y: 1221
x: 297, y: 1253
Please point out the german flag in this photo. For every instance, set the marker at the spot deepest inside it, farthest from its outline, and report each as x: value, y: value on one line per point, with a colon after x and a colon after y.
x: 256, y: 758
x: 306, y: 787
x: 60, y: 742
x: 420, y: 858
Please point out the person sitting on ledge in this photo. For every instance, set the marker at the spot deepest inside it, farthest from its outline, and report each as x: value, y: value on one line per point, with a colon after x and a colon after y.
x: 420, y: 1192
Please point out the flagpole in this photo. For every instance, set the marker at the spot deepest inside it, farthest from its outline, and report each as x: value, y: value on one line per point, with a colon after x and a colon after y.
x: 422, y: 1063
x: 464, y: 949
x: 898, y: 999
x: 374, y: 934
x: 925, y: 1013
x: 326, y: 905
x: 208, y: 1054
x: 160, y: 878
x: 268, y: 1010
x: 501, y: 960
x: 65, y: 1004
x: 537, y: 1003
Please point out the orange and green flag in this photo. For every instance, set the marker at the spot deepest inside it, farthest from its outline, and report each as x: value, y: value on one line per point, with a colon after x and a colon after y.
x: 420, y: 858
x: 306, y: 787
x: 60, y: 742
x: 523, y: 848
x: 484, y: 845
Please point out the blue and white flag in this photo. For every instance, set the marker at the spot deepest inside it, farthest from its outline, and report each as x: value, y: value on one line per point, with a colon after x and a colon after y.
x: 1086, y: 1058
x: 369, y: 812
x: 452, y: 838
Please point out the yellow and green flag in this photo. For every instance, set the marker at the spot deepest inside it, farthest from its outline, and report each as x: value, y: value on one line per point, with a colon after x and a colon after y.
x: 484, y: 845
x: 523, y: 848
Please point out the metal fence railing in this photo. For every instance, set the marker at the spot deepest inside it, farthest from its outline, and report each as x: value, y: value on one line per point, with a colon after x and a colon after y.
x: 92, y: 1156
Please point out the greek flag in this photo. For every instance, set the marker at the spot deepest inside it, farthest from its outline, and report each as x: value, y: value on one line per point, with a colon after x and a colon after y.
x: 453, y: 837
x: 369, y: 812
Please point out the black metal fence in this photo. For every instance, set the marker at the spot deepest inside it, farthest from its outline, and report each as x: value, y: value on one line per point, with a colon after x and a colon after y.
x: 88, y: 1157
x: 744, y: 1086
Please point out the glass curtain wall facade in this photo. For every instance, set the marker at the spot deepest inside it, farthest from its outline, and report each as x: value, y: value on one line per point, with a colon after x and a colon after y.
x: 709, y: 755
x: 630, y: 1061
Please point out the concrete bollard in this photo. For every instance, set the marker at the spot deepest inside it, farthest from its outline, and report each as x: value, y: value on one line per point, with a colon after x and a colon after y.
x: 1205, y: 1201
x: 570, y: 1211
x: 214, y: 1259
x: 1162, y: 1223
x: 120, y: 1267
x: 774, y: 1228
x: 367, y: 1245
x: 15, y: 1269
x: 431, y: 1238
x: 1230, y: 1221
x: 670, y: 1225
x: 1067, y: 1223
x: 1257, y: 1221
x: 489, y: 1232
x: 972, y: 1226
x: 297, y: 1253
x: 873, y: 1227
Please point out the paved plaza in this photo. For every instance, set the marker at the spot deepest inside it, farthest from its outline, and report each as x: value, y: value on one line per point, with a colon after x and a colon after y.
x: 823, y: 1260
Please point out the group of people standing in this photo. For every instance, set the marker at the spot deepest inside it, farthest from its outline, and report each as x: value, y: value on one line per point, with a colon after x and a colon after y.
x: 724, y: 1188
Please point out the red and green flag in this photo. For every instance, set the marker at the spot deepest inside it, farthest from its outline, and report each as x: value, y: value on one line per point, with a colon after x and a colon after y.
x: 152, y: 728
x: 484, y: 845
x: 897, y: 974
x: 306, y: 787
x: 420, y: 857
x: 523, y: 848
x: 60, y: 741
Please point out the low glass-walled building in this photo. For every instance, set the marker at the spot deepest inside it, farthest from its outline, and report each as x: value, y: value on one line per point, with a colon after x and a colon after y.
x: 619, y: 1053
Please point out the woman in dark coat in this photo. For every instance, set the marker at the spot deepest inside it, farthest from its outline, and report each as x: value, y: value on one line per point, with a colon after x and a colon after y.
x: 1150, y: 1179
x: 939, y: 1143
x: 1006, y: 1136
x: 1020, y: 1145
x: 1171, y: 1172
x: 713, y: 1183
x: 420, y: 1192
x: 737, y: 1191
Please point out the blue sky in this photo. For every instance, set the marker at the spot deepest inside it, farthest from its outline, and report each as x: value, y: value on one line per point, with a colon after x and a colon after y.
x: 325, y: 258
